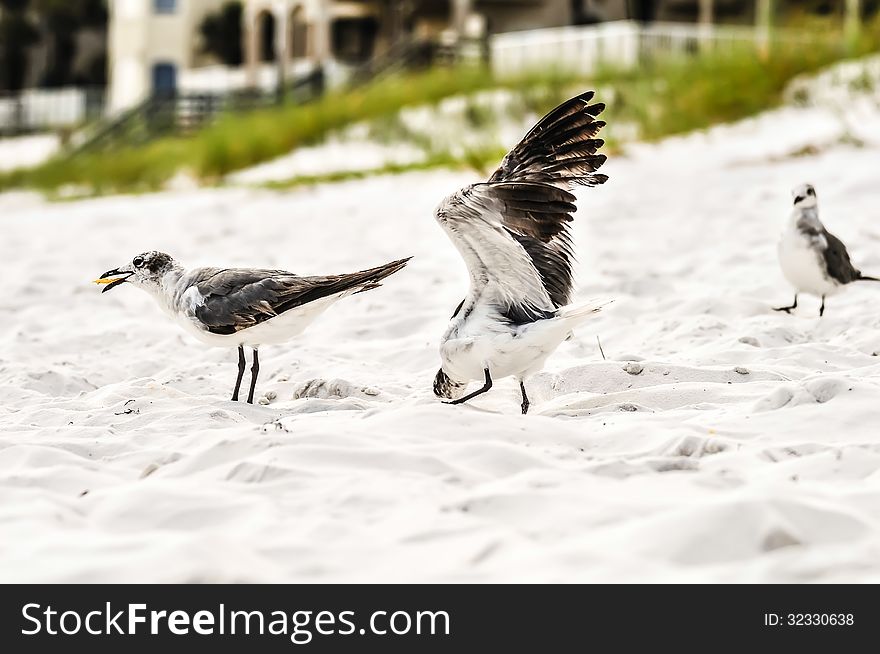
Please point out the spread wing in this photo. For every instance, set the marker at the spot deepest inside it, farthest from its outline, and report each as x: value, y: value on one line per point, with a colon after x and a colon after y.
x: 837, y: 261
x: 513, y: 231
x: 238, y: 298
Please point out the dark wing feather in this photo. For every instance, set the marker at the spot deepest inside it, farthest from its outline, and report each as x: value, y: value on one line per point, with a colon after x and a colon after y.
x: 561, y: 149
x: 553, y: 263
x: 457, y: 309
x: 558, y: 153
x: 514, y: 229
x: 837, y: 261
x: 235, y: 299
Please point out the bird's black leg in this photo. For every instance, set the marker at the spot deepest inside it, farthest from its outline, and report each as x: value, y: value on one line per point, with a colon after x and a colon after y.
x: 255, y: 370
x: 525, y: 403
x: 241, y: 364
x: 788, y: 309
x: 485, y: 388
x: 822, y: 308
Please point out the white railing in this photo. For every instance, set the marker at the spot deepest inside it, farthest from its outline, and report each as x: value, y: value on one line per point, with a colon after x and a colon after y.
x: 576, y: 48
x: 37, y: 109
x: 228, y: 79
x: 621, y: 44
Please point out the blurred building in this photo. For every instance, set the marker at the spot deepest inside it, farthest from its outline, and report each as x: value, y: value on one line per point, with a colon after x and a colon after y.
x: 727, y: 11
x: 40, y: 49
x: 155, y: 45
x: 150, y: 42
x: 52, y: 64
x: 352, y: 32
x: 738, y: 11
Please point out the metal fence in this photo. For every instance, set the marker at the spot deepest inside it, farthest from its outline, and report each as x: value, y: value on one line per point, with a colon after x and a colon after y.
x: 621, y: 43
x: 184, y: 113
x: 34, y: 110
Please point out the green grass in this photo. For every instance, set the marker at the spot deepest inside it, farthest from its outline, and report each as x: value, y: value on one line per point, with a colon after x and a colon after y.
x: 679, y: 95
x: 480, y: 160
x: 675, y: 96
x: 237, y: 141
x: 670, y: 96
x: 273, y: 132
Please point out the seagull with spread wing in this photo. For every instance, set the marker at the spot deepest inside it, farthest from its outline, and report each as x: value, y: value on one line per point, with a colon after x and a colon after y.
x: 513, y: 234
x: 238, y: 307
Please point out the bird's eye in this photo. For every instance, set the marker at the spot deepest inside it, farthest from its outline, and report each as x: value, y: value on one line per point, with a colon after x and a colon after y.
x: 138, y: 262
x: 810, y: 191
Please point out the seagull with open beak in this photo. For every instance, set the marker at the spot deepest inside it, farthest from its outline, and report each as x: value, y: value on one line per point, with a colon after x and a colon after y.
x: 238, y: 307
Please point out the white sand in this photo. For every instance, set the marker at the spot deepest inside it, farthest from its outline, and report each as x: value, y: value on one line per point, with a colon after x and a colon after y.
x: 416, y: 134
x: 334, y: 156
x: 26, y: 151
x: 747, y: 449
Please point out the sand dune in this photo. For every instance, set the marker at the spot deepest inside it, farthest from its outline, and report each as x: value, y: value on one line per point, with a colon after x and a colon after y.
x: 719, y: 441
x: 25, y: 151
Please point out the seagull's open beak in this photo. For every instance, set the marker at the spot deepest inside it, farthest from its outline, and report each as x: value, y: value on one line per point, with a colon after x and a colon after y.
x: 800, y: 198
x: 113, y: 278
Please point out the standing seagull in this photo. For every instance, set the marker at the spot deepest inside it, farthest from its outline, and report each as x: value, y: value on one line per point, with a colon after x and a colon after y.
x: 813, y: 259
x: 229, y: 307
x: 513, y: 234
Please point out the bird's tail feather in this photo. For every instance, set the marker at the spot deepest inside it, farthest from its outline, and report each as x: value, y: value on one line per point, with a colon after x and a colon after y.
x: 337, y: 286
x: 579, y: 312
x: 371, y: 278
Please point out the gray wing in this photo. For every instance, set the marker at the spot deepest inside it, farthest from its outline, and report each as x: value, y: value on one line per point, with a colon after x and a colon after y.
x: 837, y: 261
x: 233, y: 299
x: 513, y: 231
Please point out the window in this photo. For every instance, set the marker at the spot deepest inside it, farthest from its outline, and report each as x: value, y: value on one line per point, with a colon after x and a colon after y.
x: 164, y: 6
x: 354, y: 38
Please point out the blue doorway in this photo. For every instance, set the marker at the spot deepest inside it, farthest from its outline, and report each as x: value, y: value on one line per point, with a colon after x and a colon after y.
x: 164, y: 79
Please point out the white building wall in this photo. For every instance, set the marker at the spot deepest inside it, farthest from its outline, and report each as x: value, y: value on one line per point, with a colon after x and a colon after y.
x: 139, y: 38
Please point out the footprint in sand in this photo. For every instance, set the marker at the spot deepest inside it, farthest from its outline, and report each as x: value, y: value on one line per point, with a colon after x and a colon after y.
x: 692, y: 446
x: 325, y: 389
x: 814, y: 391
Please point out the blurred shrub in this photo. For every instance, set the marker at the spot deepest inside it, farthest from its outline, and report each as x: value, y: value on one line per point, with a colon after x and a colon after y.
x: 668, y: 95
x: 673, y: 95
